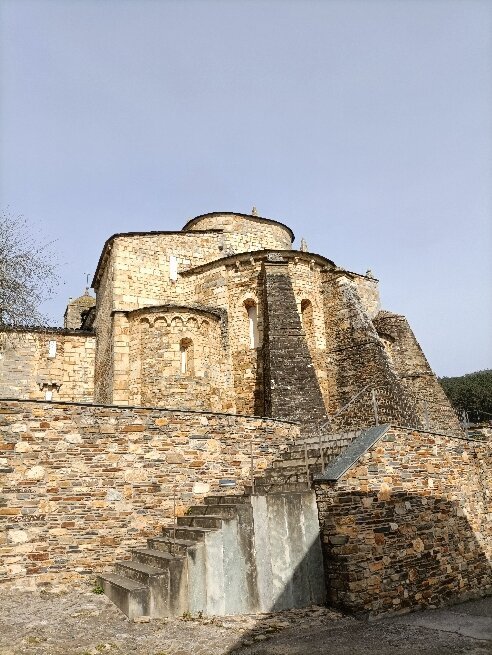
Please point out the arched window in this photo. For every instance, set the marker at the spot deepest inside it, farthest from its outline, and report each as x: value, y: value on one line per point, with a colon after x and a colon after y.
x: 186, y: 356
x: 252, y: 310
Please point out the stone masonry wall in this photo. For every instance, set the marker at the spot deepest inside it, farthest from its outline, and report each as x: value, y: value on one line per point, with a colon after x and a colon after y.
x: 245, y: 233
x: 155, y: 341
x: 28, y: 369
x: 103, y: 367
x: 81, y: 484
x: 410, y: 524
x: 142, y: 266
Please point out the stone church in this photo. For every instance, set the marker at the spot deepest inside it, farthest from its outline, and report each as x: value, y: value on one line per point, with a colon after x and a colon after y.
x: 226, y: 316
x: 231, y: 426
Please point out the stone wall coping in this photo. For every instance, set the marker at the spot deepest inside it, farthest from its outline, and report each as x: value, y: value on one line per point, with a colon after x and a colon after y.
x: 447, y: 435
x: 138, y: 407
x: 256, y: 219
x: 365, y: 441
x: 49, y: 330
x: 384, y: 314
x: 260, y: 255
x: 108, y: 244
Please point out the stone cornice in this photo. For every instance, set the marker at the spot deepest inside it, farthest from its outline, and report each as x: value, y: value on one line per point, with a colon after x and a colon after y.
x: 252, y: 256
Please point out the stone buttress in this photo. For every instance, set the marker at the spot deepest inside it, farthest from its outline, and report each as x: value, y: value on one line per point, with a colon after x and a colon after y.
x: 291, y: 385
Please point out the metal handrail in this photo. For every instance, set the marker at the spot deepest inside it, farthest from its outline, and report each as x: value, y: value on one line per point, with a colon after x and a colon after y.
x: 407, y: 406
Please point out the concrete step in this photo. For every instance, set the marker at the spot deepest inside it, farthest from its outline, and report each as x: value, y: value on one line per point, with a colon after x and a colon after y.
x: 208, y: 521
x: 138, y: 571
x: 224, y: 511
x: 178, y: 547
x: 226, y: 500
x: 166, y: 578
x: 294, y: 462
x: 290, y: 472
x: 132, y: 597
x: 274, y: 487
x: 331, y: 438
x: 185, y: 532
x: 156, y: 558
x: 313, y: 453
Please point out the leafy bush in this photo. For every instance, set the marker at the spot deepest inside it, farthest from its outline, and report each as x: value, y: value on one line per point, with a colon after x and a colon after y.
x: 471, y: 393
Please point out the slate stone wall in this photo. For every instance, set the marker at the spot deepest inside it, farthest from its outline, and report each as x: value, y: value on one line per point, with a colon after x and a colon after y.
x: 291, y: 386
x: 413, y: 369
x: 356, y: 355
x: 80, y: 484
x: 410, y: 524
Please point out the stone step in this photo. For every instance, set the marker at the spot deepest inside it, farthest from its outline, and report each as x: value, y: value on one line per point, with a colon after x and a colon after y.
x: 207, y: 521
x: 224, y: 511
x: 186, y: 532
x: 132, y: 598
x: 226, y: 500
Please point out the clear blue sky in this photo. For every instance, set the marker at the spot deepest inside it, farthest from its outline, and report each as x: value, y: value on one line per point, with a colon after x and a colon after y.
x: 365, y: 126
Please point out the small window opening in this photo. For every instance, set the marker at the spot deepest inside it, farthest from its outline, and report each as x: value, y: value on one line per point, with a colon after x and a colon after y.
x: 52, y: 349
x: 173, y: 268
x: 48, y: 388
x: 252, y: 309
x: 186, y: 356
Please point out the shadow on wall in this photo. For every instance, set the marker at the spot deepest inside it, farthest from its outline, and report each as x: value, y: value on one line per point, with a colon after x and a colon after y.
x: 401, y: 552
x: 397, y: 555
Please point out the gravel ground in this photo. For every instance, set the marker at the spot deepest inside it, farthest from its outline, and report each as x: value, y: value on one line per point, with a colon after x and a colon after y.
x: 78, y: 622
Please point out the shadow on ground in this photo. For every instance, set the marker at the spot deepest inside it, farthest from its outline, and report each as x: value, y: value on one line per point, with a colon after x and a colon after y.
x: 407, y: 552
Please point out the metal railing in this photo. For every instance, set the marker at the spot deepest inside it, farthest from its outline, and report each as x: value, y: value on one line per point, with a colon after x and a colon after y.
x: 372, y: 406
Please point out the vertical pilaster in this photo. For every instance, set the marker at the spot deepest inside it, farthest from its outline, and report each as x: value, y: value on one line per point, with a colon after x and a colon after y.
x: 121, y: 359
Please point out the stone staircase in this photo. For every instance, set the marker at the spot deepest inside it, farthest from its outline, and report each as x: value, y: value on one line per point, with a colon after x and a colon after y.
x: 235, y: 554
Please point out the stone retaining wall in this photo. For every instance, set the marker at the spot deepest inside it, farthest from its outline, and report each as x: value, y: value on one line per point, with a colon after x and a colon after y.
x: 80, y: 484
x: 410, y: 524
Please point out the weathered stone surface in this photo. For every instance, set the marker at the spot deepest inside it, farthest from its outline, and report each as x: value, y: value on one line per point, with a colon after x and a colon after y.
x: 70, y: 511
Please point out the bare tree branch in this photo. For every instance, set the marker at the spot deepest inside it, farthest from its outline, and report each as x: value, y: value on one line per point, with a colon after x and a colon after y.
x: 27, y: 273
